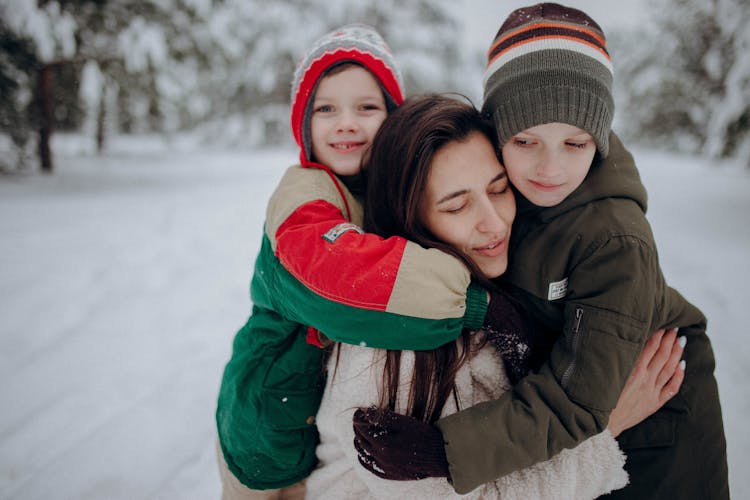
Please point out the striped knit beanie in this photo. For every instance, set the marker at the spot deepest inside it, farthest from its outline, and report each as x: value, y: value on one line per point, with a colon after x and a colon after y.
x: 357, y: 43
x: 549, y: 63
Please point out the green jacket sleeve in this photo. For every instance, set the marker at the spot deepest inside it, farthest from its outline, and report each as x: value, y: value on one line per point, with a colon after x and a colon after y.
x: 360, y: 326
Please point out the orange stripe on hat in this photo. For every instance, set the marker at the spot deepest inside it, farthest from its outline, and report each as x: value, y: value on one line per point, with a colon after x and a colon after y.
x: 550, y: 37
x: 537, y: 25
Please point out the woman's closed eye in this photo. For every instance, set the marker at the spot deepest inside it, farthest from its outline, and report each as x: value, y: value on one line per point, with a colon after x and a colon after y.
x: 455, y: 208
x: 498, y: 187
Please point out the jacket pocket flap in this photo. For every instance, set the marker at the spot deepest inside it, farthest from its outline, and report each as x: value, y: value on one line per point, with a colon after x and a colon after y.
x: 289, y: 410
x: 654, y: 432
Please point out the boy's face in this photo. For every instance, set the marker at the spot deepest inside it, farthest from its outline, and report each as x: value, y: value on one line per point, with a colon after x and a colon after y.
x: 548, y: 162
x: 348, y: 110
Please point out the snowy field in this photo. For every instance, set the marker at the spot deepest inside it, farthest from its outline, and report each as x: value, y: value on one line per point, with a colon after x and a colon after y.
x: 123, y: 279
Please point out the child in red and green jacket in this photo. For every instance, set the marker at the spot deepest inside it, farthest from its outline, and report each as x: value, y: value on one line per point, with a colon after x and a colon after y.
x: 316, y: 267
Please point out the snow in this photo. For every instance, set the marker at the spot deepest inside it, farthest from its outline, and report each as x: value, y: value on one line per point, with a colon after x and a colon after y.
x: 124, y: 278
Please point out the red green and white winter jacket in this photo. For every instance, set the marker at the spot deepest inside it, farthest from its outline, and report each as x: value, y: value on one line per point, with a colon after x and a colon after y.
x: 317, y: 268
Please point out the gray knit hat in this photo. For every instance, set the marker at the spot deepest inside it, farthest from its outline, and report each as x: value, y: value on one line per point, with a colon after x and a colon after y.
x: 549, y: 63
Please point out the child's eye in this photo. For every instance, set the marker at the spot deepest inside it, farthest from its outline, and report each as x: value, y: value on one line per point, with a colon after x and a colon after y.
x: 577, y: 145
x: 518, y: 141
x: 370, y: 107
x: 325, y: 108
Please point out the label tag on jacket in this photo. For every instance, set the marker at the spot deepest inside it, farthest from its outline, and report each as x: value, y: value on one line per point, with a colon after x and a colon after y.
x: 333, y: 234
x: 557, y: 289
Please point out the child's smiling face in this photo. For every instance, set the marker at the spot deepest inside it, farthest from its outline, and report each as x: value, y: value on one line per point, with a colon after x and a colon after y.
x: 348, y: 110
x: 548, y: 162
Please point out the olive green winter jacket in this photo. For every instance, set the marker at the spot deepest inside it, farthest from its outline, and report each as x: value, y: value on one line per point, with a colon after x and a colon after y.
x: 588, y: 268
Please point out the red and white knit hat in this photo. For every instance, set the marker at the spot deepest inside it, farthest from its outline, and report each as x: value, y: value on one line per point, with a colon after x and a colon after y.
x: 549, y: 63
x: 356, y: 43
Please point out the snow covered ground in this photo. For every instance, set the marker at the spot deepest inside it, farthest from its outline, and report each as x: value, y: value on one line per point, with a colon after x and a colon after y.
x: 124, y: 277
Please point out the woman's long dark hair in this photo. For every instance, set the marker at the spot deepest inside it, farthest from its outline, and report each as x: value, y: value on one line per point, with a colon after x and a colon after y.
x: 397, y: 169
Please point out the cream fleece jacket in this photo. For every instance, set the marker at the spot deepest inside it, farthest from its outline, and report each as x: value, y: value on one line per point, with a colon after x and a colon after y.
x: 592, y: 469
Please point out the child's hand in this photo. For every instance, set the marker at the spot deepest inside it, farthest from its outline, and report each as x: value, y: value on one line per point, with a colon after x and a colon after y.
x: 655, y: 379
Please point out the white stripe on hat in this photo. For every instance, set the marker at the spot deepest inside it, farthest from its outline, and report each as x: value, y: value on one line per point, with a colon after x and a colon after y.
x: 538, y: 44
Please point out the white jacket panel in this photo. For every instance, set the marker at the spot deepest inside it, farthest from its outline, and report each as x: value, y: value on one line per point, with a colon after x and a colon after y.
x: 592, y: 469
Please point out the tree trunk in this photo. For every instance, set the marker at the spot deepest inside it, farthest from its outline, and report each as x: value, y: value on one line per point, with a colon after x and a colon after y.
x: 45, y: 117
x: 100, y: 120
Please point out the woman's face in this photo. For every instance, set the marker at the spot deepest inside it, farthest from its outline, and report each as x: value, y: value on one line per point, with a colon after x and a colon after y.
x: 468, y: 202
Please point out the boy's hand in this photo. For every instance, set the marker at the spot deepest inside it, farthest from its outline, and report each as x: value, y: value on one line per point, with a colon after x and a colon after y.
x: 397, y: 447
x: 655, y: 379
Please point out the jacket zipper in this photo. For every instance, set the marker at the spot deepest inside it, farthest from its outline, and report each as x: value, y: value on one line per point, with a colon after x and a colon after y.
x: 573, y: 347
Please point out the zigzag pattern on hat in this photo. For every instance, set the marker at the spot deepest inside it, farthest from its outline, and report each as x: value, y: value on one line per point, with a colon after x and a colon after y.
x: 356, y: 43
x: 357, y: 37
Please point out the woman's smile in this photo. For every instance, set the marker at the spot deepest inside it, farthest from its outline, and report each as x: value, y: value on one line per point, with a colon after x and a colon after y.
x: 493, y: 249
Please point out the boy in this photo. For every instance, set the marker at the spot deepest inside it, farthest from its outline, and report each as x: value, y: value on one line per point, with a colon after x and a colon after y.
x: 315, y: 266
x: 584, y: 262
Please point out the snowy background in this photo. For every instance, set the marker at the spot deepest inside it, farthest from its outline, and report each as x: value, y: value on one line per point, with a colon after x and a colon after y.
x: 124, y: 277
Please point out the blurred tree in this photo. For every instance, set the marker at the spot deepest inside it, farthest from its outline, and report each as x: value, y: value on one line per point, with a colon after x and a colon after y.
x: 687, y: 84
x: 220, y: 66
x: 258, y: 44
x: 128, y: 42
x: 17, y: 64
x: 38, y: 38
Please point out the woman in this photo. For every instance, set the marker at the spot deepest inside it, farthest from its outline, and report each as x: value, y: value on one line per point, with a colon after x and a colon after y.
x: 435, y: 175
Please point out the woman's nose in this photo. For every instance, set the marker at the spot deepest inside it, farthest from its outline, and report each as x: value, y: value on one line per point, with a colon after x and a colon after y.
x: 490, y: 220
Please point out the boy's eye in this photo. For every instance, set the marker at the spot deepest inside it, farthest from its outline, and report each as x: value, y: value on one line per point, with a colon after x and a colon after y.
x: 324, y: 108
x: 519, y: 141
